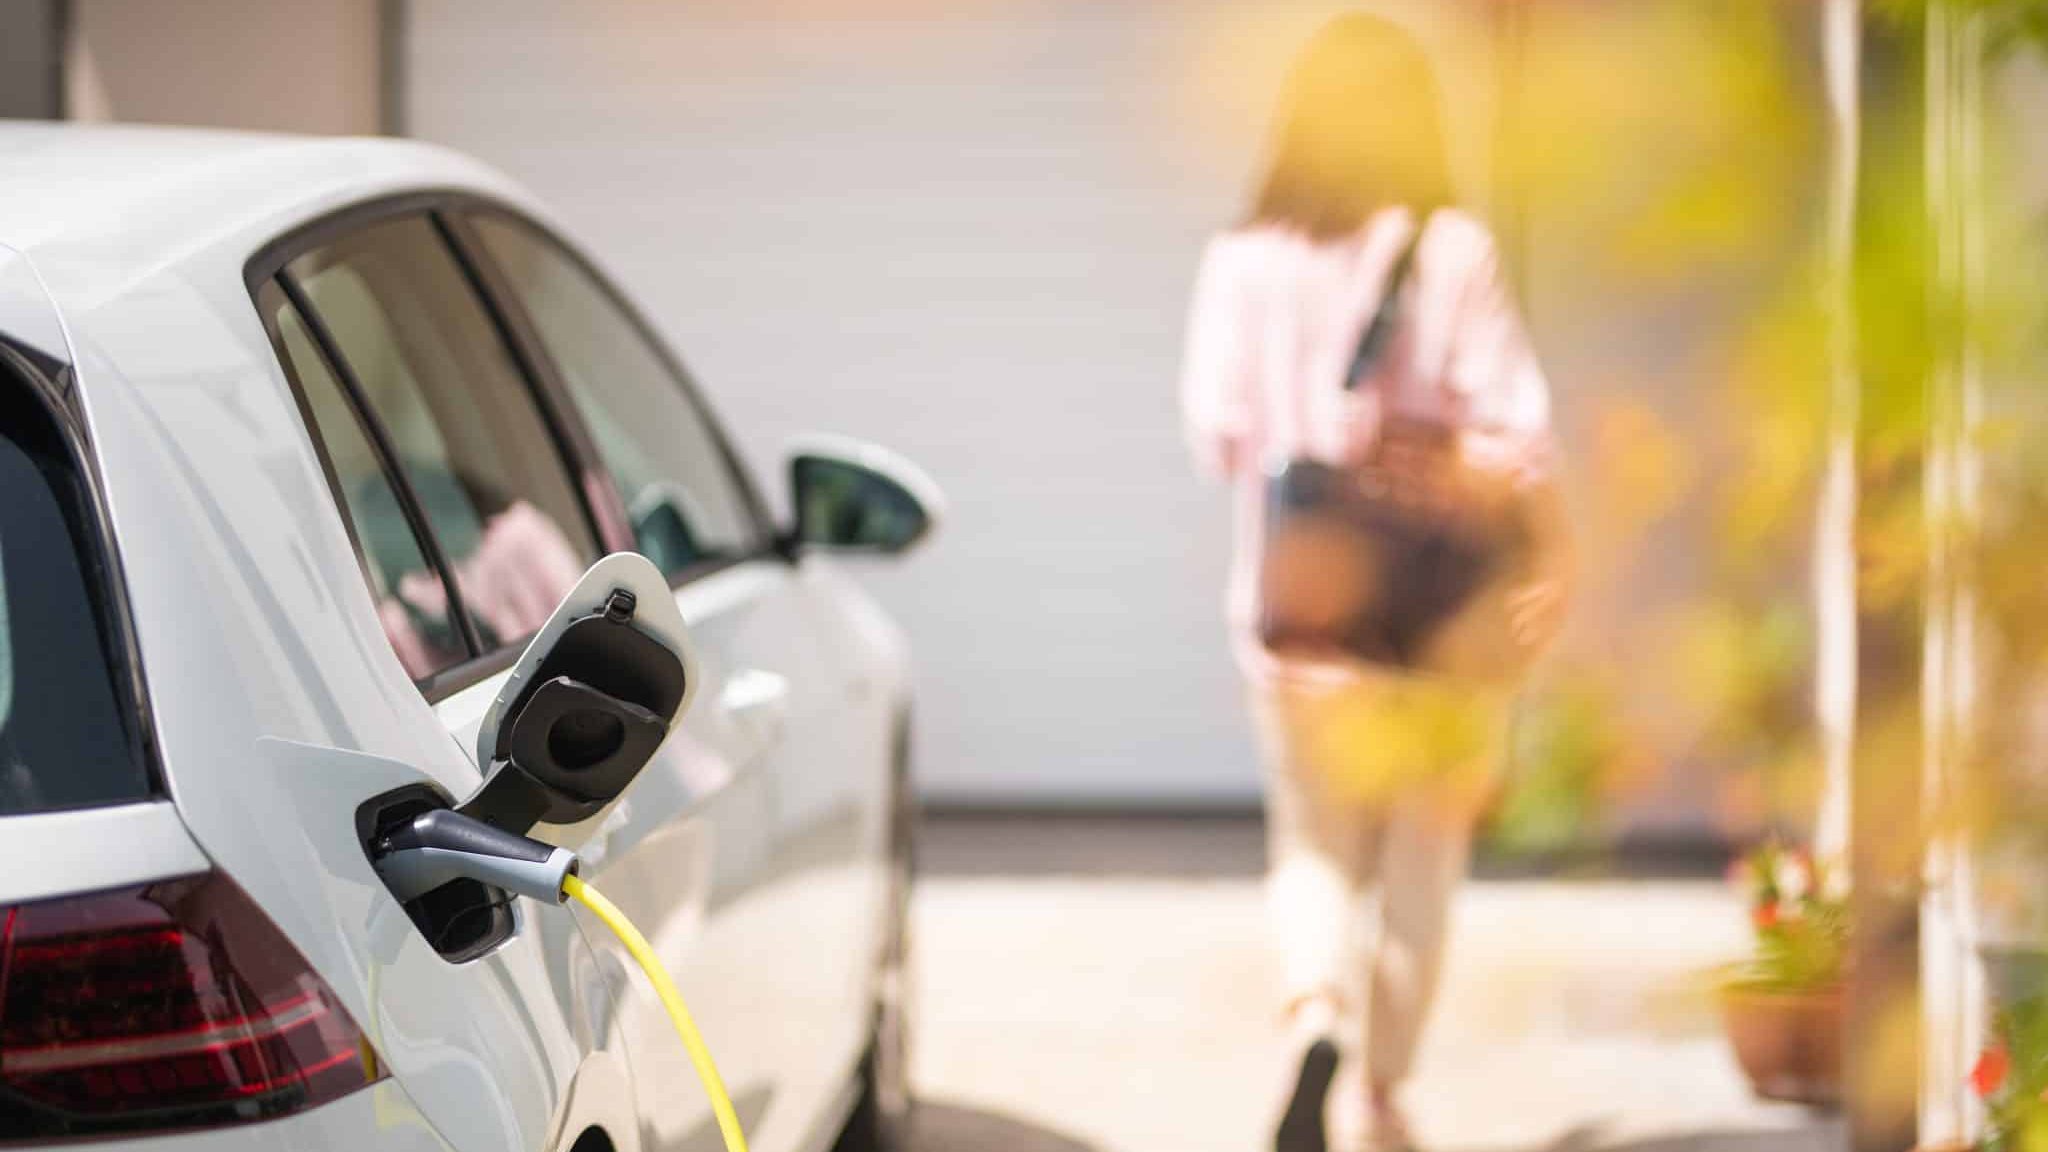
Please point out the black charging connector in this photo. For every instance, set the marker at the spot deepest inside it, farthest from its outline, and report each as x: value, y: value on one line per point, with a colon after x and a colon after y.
x: 443, y: 846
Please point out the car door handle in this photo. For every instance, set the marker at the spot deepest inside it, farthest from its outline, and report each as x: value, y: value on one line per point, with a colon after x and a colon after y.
x: 757, y: 700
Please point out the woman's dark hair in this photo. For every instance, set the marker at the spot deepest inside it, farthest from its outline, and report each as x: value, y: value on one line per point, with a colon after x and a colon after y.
x: 1360, y: 129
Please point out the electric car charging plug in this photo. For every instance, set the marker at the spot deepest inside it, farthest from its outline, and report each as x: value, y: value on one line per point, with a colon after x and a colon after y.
x: 436, y: 847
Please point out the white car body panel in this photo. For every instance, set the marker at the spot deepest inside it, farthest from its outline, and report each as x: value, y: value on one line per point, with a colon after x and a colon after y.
x: 70, y: 850
x: 750, y: 852
x: 381, y: 1116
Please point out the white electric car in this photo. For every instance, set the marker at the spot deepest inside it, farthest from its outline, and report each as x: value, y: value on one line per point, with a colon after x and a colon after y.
x: 300, y: 442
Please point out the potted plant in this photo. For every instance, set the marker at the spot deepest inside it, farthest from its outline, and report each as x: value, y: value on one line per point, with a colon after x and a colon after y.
x: 1782, y: 1008
x: 2011, y: 1078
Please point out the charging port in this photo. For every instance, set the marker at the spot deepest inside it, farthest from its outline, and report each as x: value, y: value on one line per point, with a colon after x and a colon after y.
x: 462, y: 919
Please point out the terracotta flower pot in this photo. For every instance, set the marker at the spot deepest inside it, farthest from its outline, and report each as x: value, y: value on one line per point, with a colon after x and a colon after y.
x: 1788, y: 1043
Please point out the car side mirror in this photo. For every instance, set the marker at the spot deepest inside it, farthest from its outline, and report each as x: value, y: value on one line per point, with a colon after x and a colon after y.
x: 590, y: 701
x: 662, y: 513
x: 851, y: 496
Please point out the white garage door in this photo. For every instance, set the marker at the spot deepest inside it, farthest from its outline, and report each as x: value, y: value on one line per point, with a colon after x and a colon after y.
x: 966, y: 231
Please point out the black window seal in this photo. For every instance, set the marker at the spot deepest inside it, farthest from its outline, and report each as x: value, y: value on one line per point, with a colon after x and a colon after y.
x: 53, y: 385
x: 297, y: 384
x: 571, y: 448
x: 379, y: 438
x: 543, y: 374
x: 319, y: 231
x: 764, y: 532
x: 448, y: 681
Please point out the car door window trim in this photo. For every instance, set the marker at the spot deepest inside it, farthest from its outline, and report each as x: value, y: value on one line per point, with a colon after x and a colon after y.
x: 448, y: 210
x: 379, y: 437
x: 461, y: 216
x: 452, y: 207
x: 454, y: 678
x: 539, y: 365
x: 553, y: 414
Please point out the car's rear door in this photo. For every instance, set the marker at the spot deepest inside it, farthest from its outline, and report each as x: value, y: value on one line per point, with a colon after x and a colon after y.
x: 472, y: 516
x: 784, y: 956
x: 467, y: 528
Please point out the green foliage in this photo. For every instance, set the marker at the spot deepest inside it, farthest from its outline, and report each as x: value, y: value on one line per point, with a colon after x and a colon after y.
x: 1801, y: 916
x: 1566, y: 742
x: 1800, y: 954
x: 2012, y: 24
x: 2012, y: 1077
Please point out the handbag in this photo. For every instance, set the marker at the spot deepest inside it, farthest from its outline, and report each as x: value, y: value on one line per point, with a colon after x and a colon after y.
x: 1407, y: 559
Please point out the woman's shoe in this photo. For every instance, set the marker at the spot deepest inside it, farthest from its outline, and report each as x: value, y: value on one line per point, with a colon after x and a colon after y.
x: 1301, y: 1126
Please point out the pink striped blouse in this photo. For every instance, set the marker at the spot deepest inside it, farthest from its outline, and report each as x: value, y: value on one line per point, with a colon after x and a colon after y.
x: 1275, y: 322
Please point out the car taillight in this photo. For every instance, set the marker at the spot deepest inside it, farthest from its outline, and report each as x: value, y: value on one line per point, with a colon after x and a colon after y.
x: 168, y: 1005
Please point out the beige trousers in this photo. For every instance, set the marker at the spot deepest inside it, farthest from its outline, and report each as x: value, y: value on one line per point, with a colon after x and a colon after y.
x: 1371, y: 781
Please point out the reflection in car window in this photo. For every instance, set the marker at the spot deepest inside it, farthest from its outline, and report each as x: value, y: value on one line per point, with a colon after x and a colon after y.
x: 64, y: 737
x: 472, y: 446
x: 412, y: 602
x: 686, y: 505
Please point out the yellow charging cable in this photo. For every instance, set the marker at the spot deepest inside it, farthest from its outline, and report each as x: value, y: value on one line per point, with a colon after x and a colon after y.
x: 678, y: 1012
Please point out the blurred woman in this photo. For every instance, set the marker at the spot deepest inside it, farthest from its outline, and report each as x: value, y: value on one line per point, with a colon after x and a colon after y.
x: 1372, y: 774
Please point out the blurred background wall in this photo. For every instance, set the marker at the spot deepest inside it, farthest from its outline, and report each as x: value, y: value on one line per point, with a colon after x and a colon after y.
x: 967, y: 230
x: 286, y: 65
x: 31, y: 51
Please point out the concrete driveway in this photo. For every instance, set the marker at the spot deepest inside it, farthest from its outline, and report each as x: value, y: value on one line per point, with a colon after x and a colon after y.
x: 1093, y: 985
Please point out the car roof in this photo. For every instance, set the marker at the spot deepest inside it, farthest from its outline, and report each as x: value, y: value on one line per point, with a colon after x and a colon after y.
x: 132, y: 200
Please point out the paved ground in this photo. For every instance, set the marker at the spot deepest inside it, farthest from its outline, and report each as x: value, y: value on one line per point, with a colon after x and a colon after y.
x: 1102, y: 986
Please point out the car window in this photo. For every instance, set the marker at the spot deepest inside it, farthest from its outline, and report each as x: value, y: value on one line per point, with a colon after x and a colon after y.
x: 472, y: 447
x: 688, y: 508
x: 412, y: 602
x: 65, y: 737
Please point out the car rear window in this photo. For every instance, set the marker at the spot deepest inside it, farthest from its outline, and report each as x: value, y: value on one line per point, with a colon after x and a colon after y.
x: 65, y: 736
